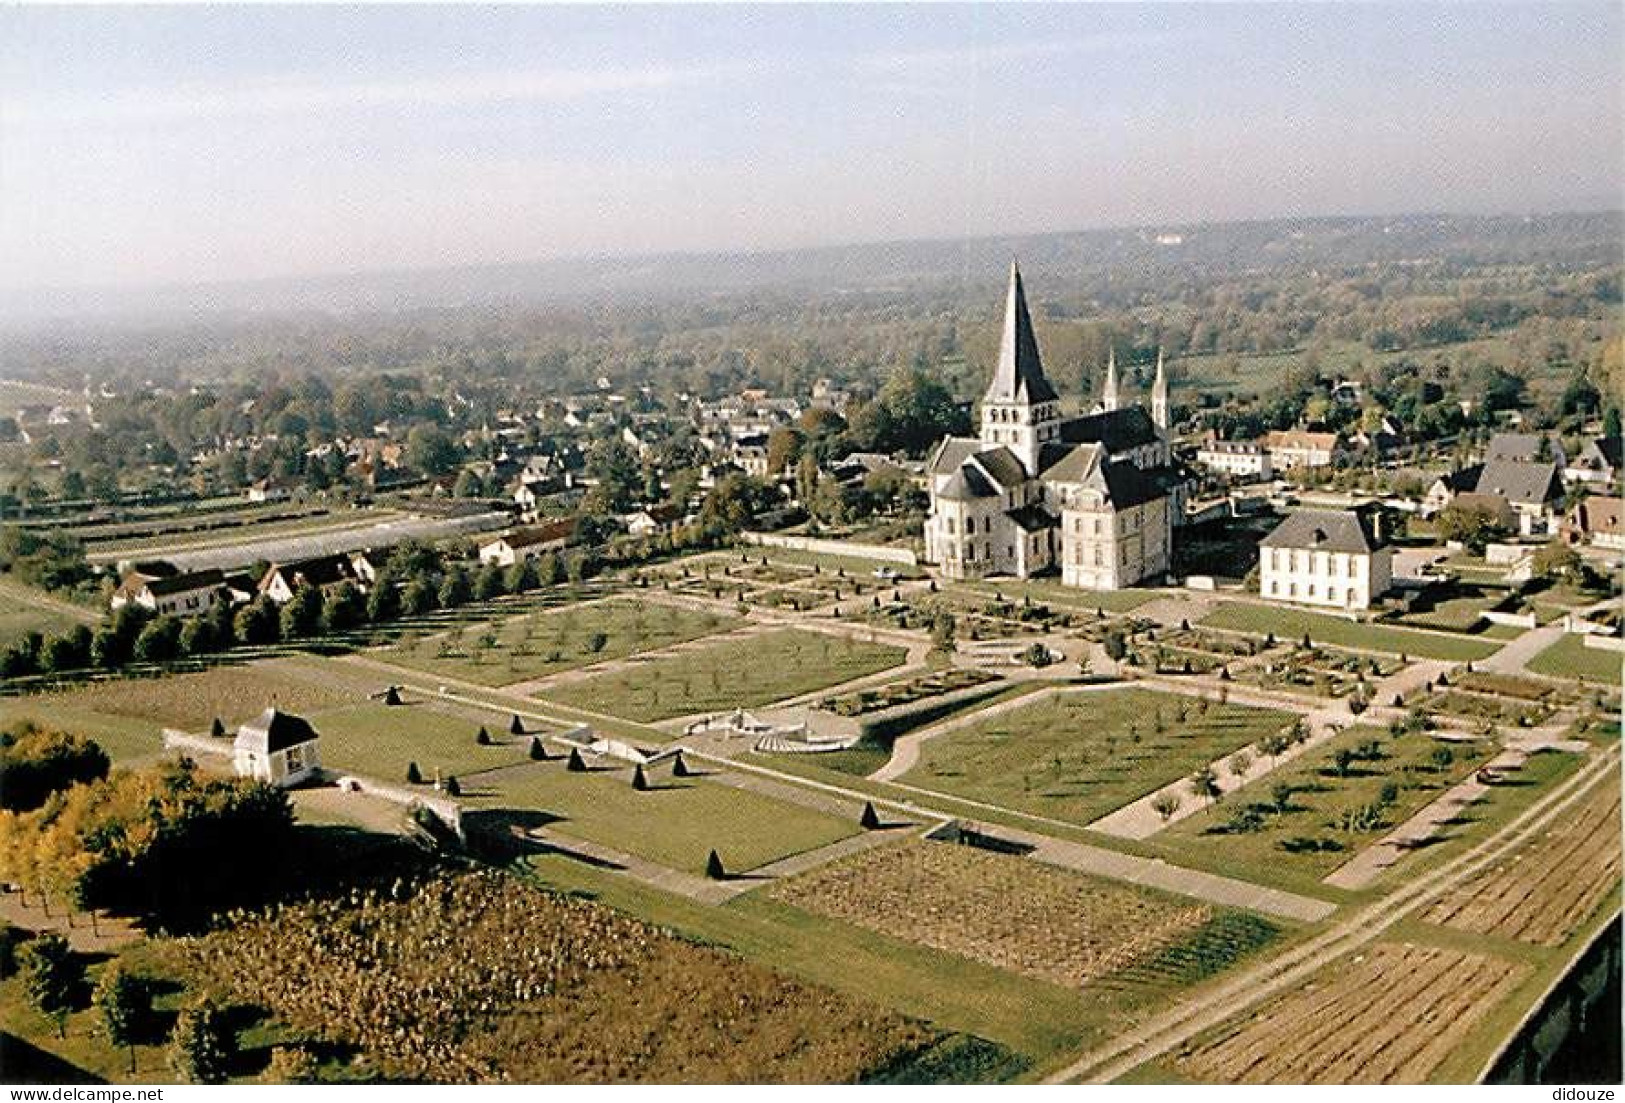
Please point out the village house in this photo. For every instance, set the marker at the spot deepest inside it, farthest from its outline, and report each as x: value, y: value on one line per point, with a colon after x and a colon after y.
x: 1244, y: 460
x: 1532, y: 489
x: 276, y: 747
x: 1598, y: 521
x: 653, y: 521
x: 1598, y: 463
x: 529, y: 543
x: 324, y: 572
x: 1331, y: 558
x: 181, y: 595
x: 1294, y: 448
x: 268, y: 490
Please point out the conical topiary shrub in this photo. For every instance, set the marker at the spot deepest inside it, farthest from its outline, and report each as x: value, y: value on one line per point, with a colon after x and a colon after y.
x: 392, y: 695
x: 640, y: 780
x: 217, y: 729
x: 870, y: 820
x: 679, y: 768
x: 483, y: 738
x: 452, y: 788
x: 713, y: 868
x: 516, y: 726
x: 414, y: 776
x: 538, y: 752
x: 577, y: 765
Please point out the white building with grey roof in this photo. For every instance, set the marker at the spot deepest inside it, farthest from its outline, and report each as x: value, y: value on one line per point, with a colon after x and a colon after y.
x: 1093, y: 495
x: 1335, y: 558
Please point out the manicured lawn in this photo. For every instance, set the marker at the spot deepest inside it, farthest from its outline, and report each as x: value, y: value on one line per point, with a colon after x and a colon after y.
x: 675, y: 823
x: 1289, y: 623
x: 1569, y: 657
x: 1078, y: 756
x: 735, y: 673
x: 378, y: 741
x: 1296, y: 847
x: 1458, y: 612
x: 512, y: 649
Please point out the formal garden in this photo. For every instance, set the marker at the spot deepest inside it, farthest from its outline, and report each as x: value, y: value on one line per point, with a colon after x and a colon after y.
x: 1075, y: 756
x: 1262, y: 620
x: 1311, y: 814
x: 739, y: 672
x: 510, y: 649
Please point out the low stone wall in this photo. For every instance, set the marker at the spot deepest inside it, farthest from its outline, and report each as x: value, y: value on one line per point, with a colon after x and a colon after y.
x: 833, y: 547
x: 449, y: 811
x: 1605, y: 643
x: 204, y: 745
x: 1511, y: 620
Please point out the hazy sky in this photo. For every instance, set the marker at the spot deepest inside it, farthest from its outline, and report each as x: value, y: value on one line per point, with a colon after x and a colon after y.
x: 177, y: 144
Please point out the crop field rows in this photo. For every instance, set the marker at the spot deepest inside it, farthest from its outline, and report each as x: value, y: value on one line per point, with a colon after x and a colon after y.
x: 1544, y: 892
x: 1389, y: 1015
x: 477, y: 978
x: 998, y: 909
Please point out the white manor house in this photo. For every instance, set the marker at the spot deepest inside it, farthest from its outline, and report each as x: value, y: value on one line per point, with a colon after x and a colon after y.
x: 1095, y: 496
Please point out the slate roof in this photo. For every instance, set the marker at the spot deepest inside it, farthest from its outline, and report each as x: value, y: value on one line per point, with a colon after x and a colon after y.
x: 273, y: 731
x: 1601, y: 453
x: 1130, y: 486
x: 1019, y: 376
x: 1032, y: 518
x: 326, y: 570
x: 134, y: 583
x: 1333, y: 530
x: 1512, y: 446
x: 950, y: 453
x: 1527, y: 484
x: 1001, y: 466
x: 965, y: 484
x: 1119, y: 430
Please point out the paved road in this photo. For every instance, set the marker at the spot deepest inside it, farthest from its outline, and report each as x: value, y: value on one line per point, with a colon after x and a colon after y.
x: 282, y: 549
x: 1515, y: 656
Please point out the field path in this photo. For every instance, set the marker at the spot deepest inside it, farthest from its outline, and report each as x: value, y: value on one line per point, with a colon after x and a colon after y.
x: 28, y: 595
x: 1173, y: 1028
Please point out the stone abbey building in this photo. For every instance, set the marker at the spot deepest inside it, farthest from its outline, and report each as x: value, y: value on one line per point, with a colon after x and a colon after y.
x: 1093, y: 497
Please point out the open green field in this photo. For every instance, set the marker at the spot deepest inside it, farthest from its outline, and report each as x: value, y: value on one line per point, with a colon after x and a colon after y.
x: 735, y: 673
x: 1294, y: 845
x: 378, y: 741
x: 17, y: 620
x: 248, y: 533
x: 24, y: 609
x: 1289, y: 624
x: 1456, y: 612
x: 510, y: 649
x: 1569, y: 657
x: 1076, y: 757
x: 676, y: 823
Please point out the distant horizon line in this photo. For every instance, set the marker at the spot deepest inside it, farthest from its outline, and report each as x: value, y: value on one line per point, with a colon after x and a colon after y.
x: 1579, y: 208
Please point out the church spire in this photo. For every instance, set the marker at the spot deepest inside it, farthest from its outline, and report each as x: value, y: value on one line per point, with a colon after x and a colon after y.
x: 1159, y: 395
x: 1108, y: 394
x: 1019, y: 376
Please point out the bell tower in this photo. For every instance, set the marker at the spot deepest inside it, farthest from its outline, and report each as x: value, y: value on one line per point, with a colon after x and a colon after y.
x: 1020, y: 409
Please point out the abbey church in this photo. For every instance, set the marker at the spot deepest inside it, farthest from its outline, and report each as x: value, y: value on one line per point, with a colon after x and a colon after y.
x: 1094, y: 496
